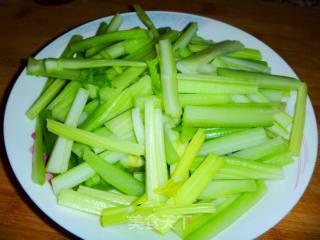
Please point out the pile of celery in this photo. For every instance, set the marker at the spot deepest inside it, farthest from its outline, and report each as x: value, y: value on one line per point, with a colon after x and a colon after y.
x: 161, y: 123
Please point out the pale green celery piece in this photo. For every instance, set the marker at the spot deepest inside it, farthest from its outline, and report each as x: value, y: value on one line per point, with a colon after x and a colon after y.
x: 54, y: 64
x: 266, y: 148
x: 94, y: 140
x: 154, y: 74
x: 183, y: 166
x: 116, y: 198
x: 296, y: 135
x: 60, y: 155
x: 186, y: 36
x: 189, y: 209
x: 192, y: 63
x: 194, y: 185
x: 204, y: 99
x: 143, y: 54
x: 212, y: 133
x: 60, y: 111
x: 115, y: 23
x: 258, y: 98
x: 283, y: 119
x: 208, y: 69
x: 281, y: 159
x: 272, y: 95
x: 241, y: 64
x: 121, y: 125
x: 132, y: 161
x: 171, y: 153
x: 187, y: 133
x: 92, y: 89
x: 247, y: 53
x: 102, y: 131
x: 140, y: 100
x: 220, y: 188
x: 88, y: 109
x: 116, y: 215
x: 200, y: 40
x: 265, y: 81
x: 169, y: 81
x: 277, y: 130
x: 234, y: 142
x: 140, y: 176
x: 146, y: 21
x: 38, y: 167
x: 191, y: 86
x: 229, y: 215
x: 72, y: 177
x: 112, y: 157
x: 138, y: 125
x: 78, y: 149
x: 83, y: 202
x: 247, y: 115
x: 240, y: 98
x: 109, y: 37
x: 183, y: 53
x: 118, y: 104
x: 116, y: 177
x: 198, y: 47
x: 94, y: 180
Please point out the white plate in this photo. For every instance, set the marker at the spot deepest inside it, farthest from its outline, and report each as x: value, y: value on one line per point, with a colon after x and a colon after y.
x: 281, y: 196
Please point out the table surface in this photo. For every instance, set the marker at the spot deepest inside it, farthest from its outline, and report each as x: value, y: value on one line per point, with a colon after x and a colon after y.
x: 290, y: 30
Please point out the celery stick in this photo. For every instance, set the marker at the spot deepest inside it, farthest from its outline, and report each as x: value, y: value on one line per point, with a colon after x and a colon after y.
x: 283, y: 119
x: 103, y: 26
x: 59, y: 158
x: 183, y: 53
x: 132, y: 161
x: 109, y: 37
x: 169, y: 82
x: 272, y: 95
x: 247, y: 115
x: 296, y: 135
x: 240, y: 98
x: 140, y: 176
x: 281, y: 159
x: 116, y: 198
x: 277, y: 130
x: 198, y: 181
x: 140, y: 100
x: 146, y: 20
x: 112, y: 157
x: 220, y: 188
x: 115, y: 215
x: 60, y: 111
x: 83, y: 202
x: 171, y: 153
x: 138, y: 126
x: 196, y: 208
x: 72, y: 177
x: 266, y: 81
x: 247, y: 53
x: 190, y: 86
x: 198, y: 47
x: 88, y: 109
x: 258, y: 98
x: 204, y: 99
x: 144, y: 53
x: 115, y: 23
x: 234, y: 142
x: 121, y: 125
x: 192, y: 63
x: 155, y: 76
x: 199, y: 40
x: 187, y: 133
x: 229, y: 215
x: 94, y: 180
x: 172, y: 35
x: 182, y: 168
x: 212, y: 133
x: 266, y: 148
x: 116, y: 177
x: 38, y: 168
x: 94, y: 140
x: 186, y: 36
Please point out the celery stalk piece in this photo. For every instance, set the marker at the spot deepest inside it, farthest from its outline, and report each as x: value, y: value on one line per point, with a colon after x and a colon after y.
x: 82, y: 201
x: 266, y: 81
x: 266, y: 148
x: 94, y: 140
x: 138, y: 126
x: 109, y: 37
x: 187, y: 133
x: 193, y: 47
x: 116, y: 198
x: 281, y: 159
x: 140, y: 100
x: 116, y: 215
x: 272, y: 95
x: 72, y: 177
x: 171, y: 153
x: 59, y: 158
x: 144, y: 53
x: 169, y: 82
x: 115, y: 23
x: 112, y: 157
x: 103, y: 26
x: 277, y: 130
x: 199, y: 40
x: 116, y: 177
x: 204, y: 99
x: 38, y: 168
x: 296, y: 135
x: 186, y: 36
x: 240, y: 98
x: 94, y: 180
x: 212, y: 133
x: 196, y: 208
x: 115, y: 105
x: 220, y: 188
x: 190, y: 86
x: 247, y: 53
x: 192, y: 63
x: 121, y: 125
x: 247, y: 115
x: 146, y: 20
x: 229, y: 215
x: 193, y: 186
x: 234, y: 142
x: 54, y: 64
x: 258, y: 98
x: 132, y: 161
x: 283, y: 119
x: 172, y: 35
x: 88, y: 109
x: 140, y: 176
x: 155, y: 76
x: 182, y: 168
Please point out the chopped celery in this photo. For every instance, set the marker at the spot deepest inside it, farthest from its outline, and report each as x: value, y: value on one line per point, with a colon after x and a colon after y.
x: 187, y: 133
x: 185, y: 36
x: 280, y: 159
x: 212, y: 133
x: 103, y: 26
x: 132, y: 161
x: 246, y: 53
x: 171, y: 153
x: 138, y: 126
x: 240, y: 98
x: 121, y: 125
x: 113, y: 175
x: 204, y: 99
x: 115, y: 23
x: 277, y: 130
x: 115, y: 215
x: 272, y: 95
x: 146, y: 20
x: 139, y: 101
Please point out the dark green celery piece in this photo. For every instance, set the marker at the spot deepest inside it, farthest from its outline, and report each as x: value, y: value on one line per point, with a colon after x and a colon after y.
x: 247, y: 53
x: 229, y: 215
x: 49, y: 138
x: 145, y: 53
x: 234, y: 141
x: 115, y: 105
x: 103, y: 26
x: 192, y: 63
x: 109, y: 37
x: 94, y: 140
x: 146, y: 21
x: 230, y: 115
x: 266, y: 81
x: 169, y: 82
x: 186, y: 36
x: 212, y: 133
x: 120, y: 179
x: 38, y: 168
x: 172, y: 35
x: 154, y: 74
